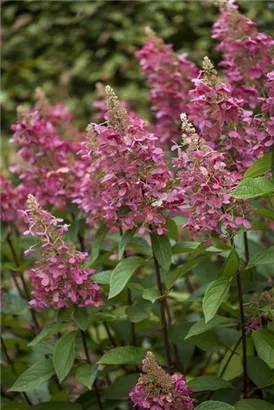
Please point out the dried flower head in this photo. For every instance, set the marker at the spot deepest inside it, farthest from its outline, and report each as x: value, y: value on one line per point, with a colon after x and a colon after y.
x: 117, y: 115
x: 209, y: 74
x: 158, y: 390
x: 40, y: 98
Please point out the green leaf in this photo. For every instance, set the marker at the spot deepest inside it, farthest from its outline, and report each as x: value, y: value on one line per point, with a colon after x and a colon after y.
x: 4, y: 230
x: 162, y: 250
x: 120, y: 389
x: 72, y: 233
x: 125, y: 239
x: 151, y: 294
x: 214, y: 405
x: 231, y: 265
x: 204, y: 383
x: 253, y: 188
x: 201, y: 326
x: 214, y: 296
x: 264, y: 342
x: 231, y: 366
x: 122, y: 273
x: 14, y: 305
x: 86, y: 374
x: 49, y: 330
x: 124, y: 355
x: 184, y: 247
x: 33, y: 377
x: 265, y: 257
x: 253, y: 404
x: 14, y: 406
x: 259, y: 167
x: 64, y: 355
x: 103, y: 278
x: 182, y: 270
x: 97, y: 242
x: 56, y: 405
x: 80, y: 316
x: 259, y: 372
x: 266, y: 213
x: 139, y: 312
x: 172, y: 229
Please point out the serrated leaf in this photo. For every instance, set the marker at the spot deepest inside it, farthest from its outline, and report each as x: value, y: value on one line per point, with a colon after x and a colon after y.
x: 122, y: 273
x: 266, y: 213
x: 253, y: 404
x: 103, y: 278
x: 97, y: 243
x: 201, y: 327
x: 49, y: 330
x: 264, y: 343
x: 80, y: 316
x: 259, y: 372
x: 182, y: 270
x: 231, y: 265
x: 162, y: 250
x: 120, y: 389
x: 214, y: 405
x: 172, y: 229
x: 125, y: 239
x: 214, y: 296
x: 140, y: 311
x: 4, y: 230
x: 64, y: 355
x: 33, y: 377
x: 253, y: 188
x: 204, y: 383
x: 259, y: 167
x: 124, y: 355
x: 265, y: 257
x: 151, y: 294
x: 56, y: 405
x: 86, y: 374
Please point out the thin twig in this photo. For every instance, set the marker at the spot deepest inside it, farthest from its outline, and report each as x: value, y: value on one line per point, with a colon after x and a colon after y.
x: 10, y: 362
x: 162, y: 312
x: 112, y: 341
x: 243, y: 330
x: 242, y: 317
x: 230, y: 357
x: 246, y: 248
x: 129, y: 298
x: 24, y: 284
x: 97, y: 393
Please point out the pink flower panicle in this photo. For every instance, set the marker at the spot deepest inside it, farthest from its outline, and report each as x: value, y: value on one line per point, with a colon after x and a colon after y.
x: 59, y: 278
x: 247, y: 54
x: 58, y: 114
x: 206, y: 185
x: 53, y: 168
x: 169, y: 77
x: 157, y: 390
x: 223, y: 123
x: 12, y: 199
x: 128, y: 181
x: 101, y: 104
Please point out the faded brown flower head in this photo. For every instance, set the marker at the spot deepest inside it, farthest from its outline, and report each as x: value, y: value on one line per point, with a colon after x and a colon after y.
x: 92, y: 142
x: 191, y: 138
x: 117, y: 115
x: 209, y: 74
x: 156, y: 382
x: 40, y: 98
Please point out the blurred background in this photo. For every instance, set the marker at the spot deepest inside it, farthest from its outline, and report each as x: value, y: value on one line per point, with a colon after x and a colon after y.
x: 65, y: 47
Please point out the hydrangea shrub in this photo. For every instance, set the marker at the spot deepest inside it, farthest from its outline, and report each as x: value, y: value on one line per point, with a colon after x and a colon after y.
x: 137, y: 258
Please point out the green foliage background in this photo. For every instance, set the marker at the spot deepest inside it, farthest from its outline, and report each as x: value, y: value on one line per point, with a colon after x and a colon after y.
x: 65, y: 47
